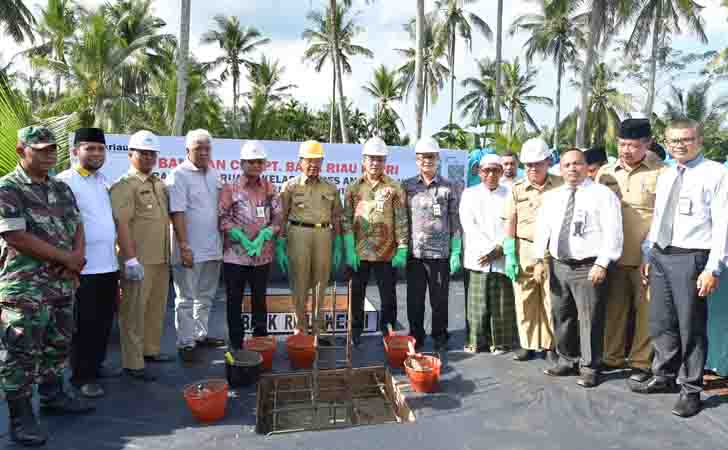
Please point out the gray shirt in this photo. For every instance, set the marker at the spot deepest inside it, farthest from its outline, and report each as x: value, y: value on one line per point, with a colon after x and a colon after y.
x: 196, y: 193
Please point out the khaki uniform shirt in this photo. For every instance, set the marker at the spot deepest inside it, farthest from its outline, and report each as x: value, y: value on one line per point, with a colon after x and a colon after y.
x: 310, y: 201
x: 141, y: 201
x: 524, y: 201
x: 636, y: 189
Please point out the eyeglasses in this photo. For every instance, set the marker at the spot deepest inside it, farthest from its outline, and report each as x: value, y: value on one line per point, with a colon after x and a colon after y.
x: 683, y: 142
x: 254, y: 161
x: 426, y: 156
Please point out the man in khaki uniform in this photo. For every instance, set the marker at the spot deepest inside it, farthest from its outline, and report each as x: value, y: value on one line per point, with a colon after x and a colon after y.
x: 634, y: 179
x: 310, y: 228
x: 140, y: 205
x: 530, y: 283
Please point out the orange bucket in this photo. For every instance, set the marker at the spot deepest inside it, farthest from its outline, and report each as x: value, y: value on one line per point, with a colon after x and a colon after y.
x: 301, y: 351
x: 265, y: 345
x: 395, y: 347
x: 207, y: 399
x: 423, y: 372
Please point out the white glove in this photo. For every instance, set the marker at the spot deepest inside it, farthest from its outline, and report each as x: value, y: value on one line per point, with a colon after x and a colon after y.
x: 133, y: 270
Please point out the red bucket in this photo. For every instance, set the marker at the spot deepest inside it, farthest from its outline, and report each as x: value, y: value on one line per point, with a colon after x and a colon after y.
x: 207, y: 399
x: 395, y: 347
x: 265, y: 345
x: 301, y: 351
x: 423, y: 372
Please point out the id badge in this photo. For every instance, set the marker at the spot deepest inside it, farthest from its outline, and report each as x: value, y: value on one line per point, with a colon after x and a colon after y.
x: 260, y: 212
x: 380, y: 206
x: 436, y: 210
x: 579, y: 222
x: 685, y: 206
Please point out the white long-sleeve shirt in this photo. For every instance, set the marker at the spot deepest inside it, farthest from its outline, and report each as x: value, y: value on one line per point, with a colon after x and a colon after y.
x: 599, y: 215
x: 700, y: 218
x: 483, y: 227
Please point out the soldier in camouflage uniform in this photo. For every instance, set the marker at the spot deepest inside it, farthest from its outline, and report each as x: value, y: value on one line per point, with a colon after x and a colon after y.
x: 375, y: 235
x: 41, y: 257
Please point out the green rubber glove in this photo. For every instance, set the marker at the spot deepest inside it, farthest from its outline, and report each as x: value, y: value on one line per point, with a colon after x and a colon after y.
x: 237, y: 235
x: 263, y: 235
x: 509, y: 249
x: 400, y: 258
x: 338, y: 248
x: 352, y: 259
x: 456, y: 252
x: 281, y: 255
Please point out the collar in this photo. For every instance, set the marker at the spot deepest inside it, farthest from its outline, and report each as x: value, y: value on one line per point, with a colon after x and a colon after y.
x: 244, y: 181
x: 189, y: 165
x: 584, y: 184
x: 693, y: 163
x: 549, y: 181
x: 649, y: 161
x: 81, y: 171
x: 24, y: 178
x: 435, y: 179
x: 310, y: 180
x: 143, y: 177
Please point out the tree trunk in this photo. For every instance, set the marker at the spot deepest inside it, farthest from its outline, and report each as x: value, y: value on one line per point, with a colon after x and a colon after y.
x: 512, y: 126
x: 332, y: 120
x: 498, y: 62
x: 595, y: 29
x: 236, y: 75
x: 419, y: 66
x: 337, y: 66
x: 653, y: 60
x: 557, y: 119
x: 182, y: 53
x: 452, y: 77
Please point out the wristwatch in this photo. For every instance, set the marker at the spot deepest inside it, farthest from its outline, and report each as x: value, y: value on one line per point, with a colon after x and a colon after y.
x: 184, y: 246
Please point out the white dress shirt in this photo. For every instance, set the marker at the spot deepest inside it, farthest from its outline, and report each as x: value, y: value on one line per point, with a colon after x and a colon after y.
x: 483, y: 227
x: 92, y: 197
x: 599, y: 215
x: 700, y: 218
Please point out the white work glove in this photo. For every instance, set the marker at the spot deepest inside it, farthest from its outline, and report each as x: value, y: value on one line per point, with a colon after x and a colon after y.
x: 133, y: 270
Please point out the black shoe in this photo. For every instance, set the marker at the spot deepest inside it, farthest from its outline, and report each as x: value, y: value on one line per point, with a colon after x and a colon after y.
x: 24, y: 428
x: 159, y: 358
x: 523, y: 354
x: 324, y: 342
x: 687, y: 405
x: 653, y: 385
x: 356, y: 338
x: 639, y: 375
x: 62, y: 403
x: 108, y: 372
x: 140, y: 374
x: 588, y: 379
x: 208, y: 341
x: 440, y: 345
x: 187, y: 353
x: 560, y: 370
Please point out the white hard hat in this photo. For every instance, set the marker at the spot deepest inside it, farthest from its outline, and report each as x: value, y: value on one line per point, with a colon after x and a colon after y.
x: 144, y: 140
x: 375, y: 146
x: 427, y: 145
x: 534, y: 150
x: 253, y: 150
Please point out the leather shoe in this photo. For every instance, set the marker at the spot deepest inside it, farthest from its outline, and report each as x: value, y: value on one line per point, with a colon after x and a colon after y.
x: 356, y: 338
x: 654, y: 385
x: 523, y: 354
x: 639, y: 375
x: 208, y: 341
x: 560, y: 370
x: 140, y: 374
x: 588, y: 379
x: 91, y: 390
x: 687, y: 405
x: 108, y: 372
x: 62, y: 403
x: 187, y: 353
x: 159, y: 358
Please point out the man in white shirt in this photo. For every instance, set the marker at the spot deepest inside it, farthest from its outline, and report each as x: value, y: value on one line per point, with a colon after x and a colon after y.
x: 193, y: 190
x: 688, y: 249
x: 490, y: 306
x: 581, y: 224
x: 96, y: 296
x: 509, y: 161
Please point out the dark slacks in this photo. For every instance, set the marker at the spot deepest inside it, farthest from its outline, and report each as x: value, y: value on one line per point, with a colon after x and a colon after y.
x: 578, y: 310
x: 678, y: 318
x: 236, y: 278
x: 424, y: 275
x: 96, y: 304
x: 386, y: 277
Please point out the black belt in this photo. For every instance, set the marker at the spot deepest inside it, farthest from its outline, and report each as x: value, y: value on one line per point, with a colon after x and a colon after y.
x: 578, y: 262
x: 309, y: 225
x: 670, y: 250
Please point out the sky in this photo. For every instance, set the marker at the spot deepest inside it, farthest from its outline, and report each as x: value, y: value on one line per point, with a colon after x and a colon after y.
x: 283, y: 21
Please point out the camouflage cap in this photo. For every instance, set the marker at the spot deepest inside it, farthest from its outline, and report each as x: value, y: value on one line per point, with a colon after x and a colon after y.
x: 36, y: 136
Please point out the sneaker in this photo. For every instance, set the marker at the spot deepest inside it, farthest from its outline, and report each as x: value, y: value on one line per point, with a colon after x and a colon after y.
x: 91, y: 390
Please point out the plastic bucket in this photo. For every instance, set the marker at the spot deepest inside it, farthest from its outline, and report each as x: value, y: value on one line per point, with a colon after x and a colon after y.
x: 423, y: 372
x: 266, y: 346
x: 207, y: 399
x: 396, y: 349
x: 301, y: 351
x: 245, y: 368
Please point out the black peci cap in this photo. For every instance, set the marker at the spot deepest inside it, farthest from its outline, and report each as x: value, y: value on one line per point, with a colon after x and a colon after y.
x: 635, y: 129
x: 89, y: 135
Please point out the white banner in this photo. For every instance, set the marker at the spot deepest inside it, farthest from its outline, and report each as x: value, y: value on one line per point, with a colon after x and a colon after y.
x: 342, y: 164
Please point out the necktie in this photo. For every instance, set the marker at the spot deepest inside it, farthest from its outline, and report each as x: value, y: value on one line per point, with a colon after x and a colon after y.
x: 564, y: 252
x: 664, y: 235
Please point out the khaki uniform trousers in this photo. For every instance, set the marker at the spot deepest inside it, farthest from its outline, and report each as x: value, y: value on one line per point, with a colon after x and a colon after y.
x: 309, y: 255
x: 141, y: 315
x: 533, y: 311
x: 625, y: 289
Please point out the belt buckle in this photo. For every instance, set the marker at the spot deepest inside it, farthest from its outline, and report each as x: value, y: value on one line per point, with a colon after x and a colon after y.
x: 318, y: 225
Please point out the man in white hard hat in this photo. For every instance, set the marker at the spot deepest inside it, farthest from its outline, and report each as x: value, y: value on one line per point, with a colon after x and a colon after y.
x: 533, y: 306
x: 375, y: 235
x: 310, y: 231
x: 435, y: 243
x: 250, y: 215
x: 140, y: 205
x: 193, y: 189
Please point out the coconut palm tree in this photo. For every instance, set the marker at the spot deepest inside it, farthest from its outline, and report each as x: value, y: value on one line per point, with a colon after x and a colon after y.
x: 265, y: 78
x: 695, y: 104
x: 16, y: 20
x: 662, y: 18
x: 479, y: 102
x: 556, y: 34
x: 498, y: 62
x: 236, y: 42
x: 517, y: 88
x: 57, y: 25
x: 182, y: 67
x: 434, y: 68
x: 321, y: 49
x: 453, y: 20
x: 420, y: 65
x: 386, y: 89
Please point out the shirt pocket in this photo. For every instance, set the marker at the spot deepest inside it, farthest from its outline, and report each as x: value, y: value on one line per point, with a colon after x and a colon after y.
x: 146, y: 203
